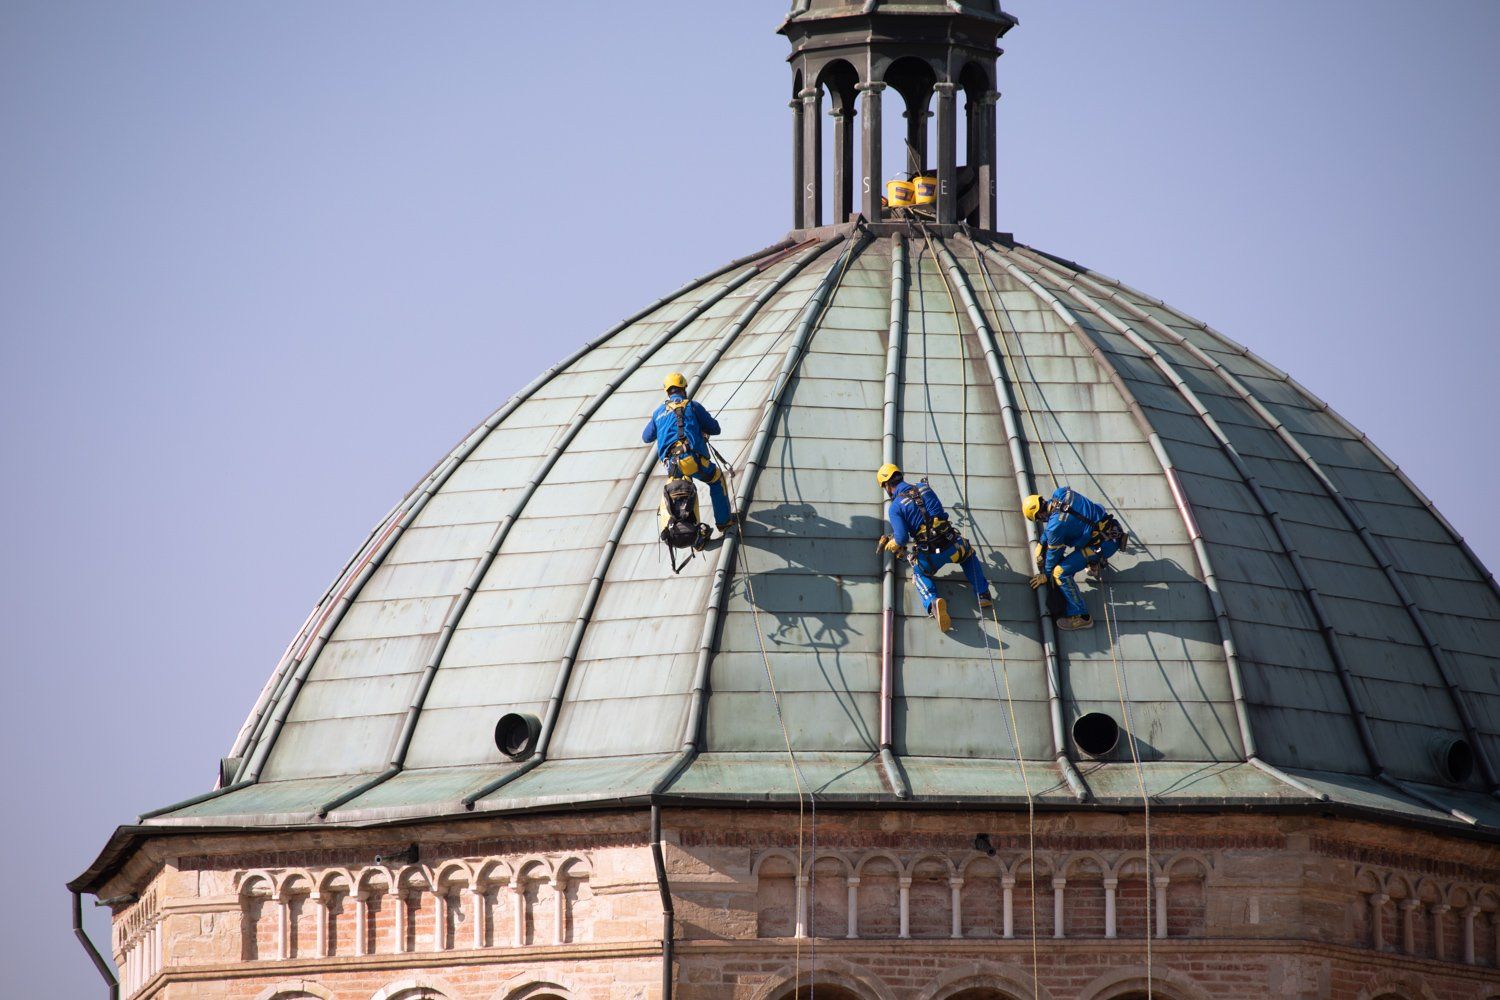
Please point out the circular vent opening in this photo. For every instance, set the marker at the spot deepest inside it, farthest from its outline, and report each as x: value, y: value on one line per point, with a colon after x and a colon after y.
x: 516, y: 734
x: 1454, y: 758
x: 1096, y: 734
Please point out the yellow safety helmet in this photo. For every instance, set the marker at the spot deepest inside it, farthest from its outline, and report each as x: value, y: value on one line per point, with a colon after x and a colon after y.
x: 1032, y: 507
x: 676, y: 380
x: 886, y: 473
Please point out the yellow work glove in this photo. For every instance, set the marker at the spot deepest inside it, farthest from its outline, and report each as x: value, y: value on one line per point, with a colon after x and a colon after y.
x: 1038, y: 581
x: 887, y: 544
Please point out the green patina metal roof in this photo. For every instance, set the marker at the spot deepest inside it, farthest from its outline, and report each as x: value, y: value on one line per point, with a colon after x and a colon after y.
x: 1290, y: 597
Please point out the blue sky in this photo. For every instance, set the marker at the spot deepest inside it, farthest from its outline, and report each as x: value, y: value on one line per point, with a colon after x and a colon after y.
x: 261, y: 264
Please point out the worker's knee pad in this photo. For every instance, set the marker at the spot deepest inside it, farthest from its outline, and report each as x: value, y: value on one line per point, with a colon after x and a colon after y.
x: 1057, y: 575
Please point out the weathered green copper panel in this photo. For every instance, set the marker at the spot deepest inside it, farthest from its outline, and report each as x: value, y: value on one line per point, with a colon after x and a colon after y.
x: 622, y: 656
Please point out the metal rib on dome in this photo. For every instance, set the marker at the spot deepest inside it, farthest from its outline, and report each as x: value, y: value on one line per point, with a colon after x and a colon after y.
x: 1288, y: 590
x: 1345, y: 507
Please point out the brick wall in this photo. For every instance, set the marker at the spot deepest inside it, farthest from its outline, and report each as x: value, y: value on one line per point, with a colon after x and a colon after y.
x: 1255, y: 906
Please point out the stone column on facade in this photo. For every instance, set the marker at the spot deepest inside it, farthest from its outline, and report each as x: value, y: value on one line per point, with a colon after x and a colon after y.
x: 989, y: 213
x: 477, y: 910
x: 947, y: 169
x: 402, y: 916
x: 916, y: 116
x: 812, y: 158
x: 1161, y: 882
x: 852, y: 884
x: 319, y: 904
x: 800, y: 929
x: 1409, y: 925
x: 283, y: 927
x: 559, y: 909
x: 905, y: 883
x: 518, y: 902
x: 439, y: 918
x: 1469, y: 914
x: 1008, y: 906
x: 1439, y: 910
x: 1110, y: 885
x: 797, y: 162
x: 361, y: 921
x: 843, y: 163
x: 872, y: 152
x: 1377, y: 920
x: 1059, y: 884
x: 956, y: 907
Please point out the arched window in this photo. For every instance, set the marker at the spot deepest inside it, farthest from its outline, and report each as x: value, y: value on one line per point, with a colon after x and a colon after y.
x: 914, y: 79
x: 824, y: 992
x: 536, y: 991
x: 981, y: 993
x: 413, y: 989
x: 295, y: 991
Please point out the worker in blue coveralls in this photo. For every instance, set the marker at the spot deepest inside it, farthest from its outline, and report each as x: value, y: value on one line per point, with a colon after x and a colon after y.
x: 681, y: 428
x: 918, y: 519
x: 1070, y: 520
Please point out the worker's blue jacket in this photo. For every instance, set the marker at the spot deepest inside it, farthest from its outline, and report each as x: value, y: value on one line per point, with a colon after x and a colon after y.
x: 910, y: 508
x: 1073, y: 523
x: 663, y: 428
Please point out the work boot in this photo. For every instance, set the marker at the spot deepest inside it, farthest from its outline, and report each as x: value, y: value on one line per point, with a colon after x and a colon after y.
x: 1074, y: 623
x: 940, y: 614
x: 987, y: 600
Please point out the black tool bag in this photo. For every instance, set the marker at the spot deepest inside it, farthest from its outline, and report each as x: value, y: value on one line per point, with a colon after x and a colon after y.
x: 680, y: 527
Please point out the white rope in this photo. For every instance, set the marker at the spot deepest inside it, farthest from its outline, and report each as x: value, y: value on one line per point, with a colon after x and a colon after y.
x: 796, y: 769
x: 805, y: 796
x: 1010, y: 704
x: 1026, y: 405
x: 1111, y: 627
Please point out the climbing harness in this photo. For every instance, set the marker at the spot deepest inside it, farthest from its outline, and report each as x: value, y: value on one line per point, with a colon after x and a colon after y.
x: 1112, y: 631
x: 1106, y: 530
x: 935, y: 533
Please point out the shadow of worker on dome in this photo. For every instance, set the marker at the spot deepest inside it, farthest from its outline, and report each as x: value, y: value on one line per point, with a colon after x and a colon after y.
x: 818, y: 567
x: 809, y: 593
